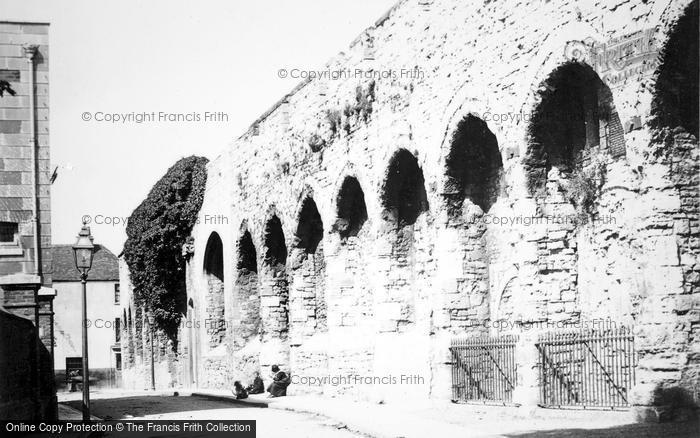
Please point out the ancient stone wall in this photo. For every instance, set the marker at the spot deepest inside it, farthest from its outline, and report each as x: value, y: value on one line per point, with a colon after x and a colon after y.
x: 476, y: 170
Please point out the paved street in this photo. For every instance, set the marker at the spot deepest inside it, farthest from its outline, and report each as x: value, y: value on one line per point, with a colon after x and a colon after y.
x: 271, y: 423
x: 394, y: 420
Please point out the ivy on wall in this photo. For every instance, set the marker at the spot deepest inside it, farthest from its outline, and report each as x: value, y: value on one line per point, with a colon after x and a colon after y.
x: 156, y: 232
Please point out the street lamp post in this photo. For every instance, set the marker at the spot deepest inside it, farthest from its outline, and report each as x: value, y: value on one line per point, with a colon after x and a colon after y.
x: 83, y: 250
x: 151, y: 321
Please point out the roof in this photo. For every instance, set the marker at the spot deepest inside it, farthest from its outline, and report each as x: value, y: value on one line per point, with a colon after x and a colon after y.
x: 105, y: 266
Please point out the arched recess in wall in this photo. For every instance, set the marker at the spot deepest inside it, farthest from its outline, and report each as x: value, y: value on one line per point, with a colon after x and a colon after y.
x: 473, y: 171
x: 574, y: 133
x: 675, y: 117
x: 574, y: 129
x: 351, y: 209
x: 246, y: 300
x: 403, y: 195
x: 473, y: 168
x: 404, y: 199
x: 675, y: 102
x: 275, y: 293
x: 214, y: 279
x: 349, y: 284
x: 309, y: 271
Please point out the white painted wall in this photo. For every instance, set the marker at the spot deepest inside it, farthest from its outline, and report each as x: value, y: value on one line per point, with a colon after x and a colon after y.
x: 101, y: 312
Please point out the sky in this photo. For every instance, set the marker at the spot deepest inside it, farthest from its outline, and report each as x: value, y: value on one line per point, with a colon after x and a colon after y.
x: 174, y: 57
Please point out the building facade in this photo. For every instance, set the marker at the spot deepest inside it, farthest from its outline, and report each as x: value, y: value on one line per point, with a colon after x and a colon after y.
x: 25, y: 222
x: 104, y: 310
x: 463, y: 170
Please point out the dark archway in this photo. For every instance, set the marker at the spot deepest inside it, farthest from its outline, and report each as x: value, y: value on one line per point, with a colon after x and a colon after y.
x: 473, y: 170
x: 404, y: 199
x: 247, y: 255
x: 310, y: 227
x: 351, y: 208
x: 308, y: 304
x: 675, y: 102
x: 246, y: 294
x: 403, y: 194
x: 214, y: 276
x: 473, y: 167
x: 214, y: 257
x: 574, y: 133
x: 275, y: 247
x: 275, y: 312
x: 566, y: 125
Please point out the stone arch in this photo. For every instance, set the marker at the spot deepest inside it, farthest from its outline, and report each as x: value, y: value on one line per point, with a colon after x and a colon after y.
x: 473, y: 167
x: 309, y: 232
x: 473, y: 171
x: 351, y: 210
x: 404, y: 199
x: 246, y: 292
x: 275, y: 292
x: 247, y: 255
x: 675, y: 115
x: 573, y: 122
x: 675, y: 100
x: 307, y: 271
x: 674, y: 112
x: 573, y: 134
x: 403, y: 194
x: 214, y: 278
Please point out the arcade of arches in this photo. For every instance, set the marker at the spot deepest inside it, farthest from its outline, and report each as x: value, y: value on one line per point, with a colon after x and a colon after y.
x: 415, y: 218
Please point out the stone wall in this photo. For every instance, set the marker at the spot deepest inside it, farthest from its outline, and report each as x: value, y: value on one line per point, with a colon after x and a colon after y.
x: 25, y: 219
x: 440, y: 219
x: 19, y: 44
x: 27, y: 390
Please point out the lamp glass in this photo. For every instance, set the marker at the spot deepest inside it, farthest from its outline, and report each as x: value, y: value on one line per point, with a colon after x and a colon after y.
x: 83, y: 258
x: 83, y: 251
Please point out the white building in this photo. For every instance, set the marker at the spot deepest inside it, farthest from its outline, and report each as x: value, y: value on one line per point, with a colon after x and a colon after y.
x: 104, y: 324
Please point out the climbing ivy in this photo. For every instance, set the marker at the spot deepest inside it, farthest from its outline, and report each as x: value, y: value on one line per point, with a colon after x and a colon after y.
x: 156, y: 232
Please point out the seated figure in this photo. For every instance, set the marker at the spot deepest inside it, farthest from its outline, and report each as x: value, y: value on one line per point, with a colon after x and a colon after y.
x: 280, y: 381
x: 257, y: 387
x: 239, y: 391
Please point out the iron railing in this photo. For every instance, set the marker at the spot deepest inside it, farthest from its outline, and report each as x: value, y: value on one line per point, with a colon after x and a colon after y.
x: 591, y: 368
x: 484, y: 369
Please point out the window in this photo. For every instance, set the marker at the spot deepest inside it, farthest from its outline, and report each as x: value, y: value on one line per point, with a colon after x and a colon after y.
x: 116, y: 294
x: 117, y: 329
x: 118, y: 361
x: 74, y: 367
x: 8, y: 230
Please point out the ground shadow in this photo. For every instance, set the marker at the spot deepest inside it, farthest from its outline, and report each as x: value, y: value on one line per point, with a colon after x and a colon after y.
x: 119, y: 408
x: 637, y: 430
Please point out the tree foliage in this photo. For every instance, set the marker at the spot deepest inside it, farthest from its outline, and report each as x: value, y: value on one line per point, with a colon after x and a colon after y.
x: 156, y: 232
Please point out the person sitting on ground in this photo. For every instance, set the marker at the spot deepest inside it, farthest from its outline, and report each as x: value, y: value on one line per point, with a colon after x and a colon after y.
x: 239, y: 391
x: 257, y: 387
x: 280, y: 381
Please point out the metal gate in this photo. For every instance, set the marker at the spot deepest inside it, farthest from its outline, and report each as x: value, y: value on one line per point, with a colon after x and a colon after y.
x: 592, y: 368
x: 483, y: 369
